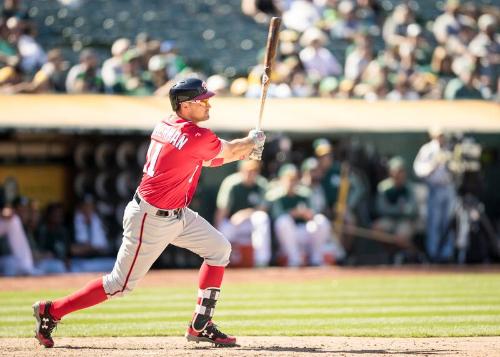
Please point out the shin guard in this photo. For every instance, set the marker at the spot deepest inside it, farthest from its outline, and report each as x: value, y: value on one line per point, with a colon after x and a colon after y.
x: 205, y: 308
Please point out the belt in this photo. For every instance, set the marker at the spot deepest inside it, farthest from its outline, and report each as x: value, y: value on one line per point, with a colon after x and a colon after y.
x: 161, y: 212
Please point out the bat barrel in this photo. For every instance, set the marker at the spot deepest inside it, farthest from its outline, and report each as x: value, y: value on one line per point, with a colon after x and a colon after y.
x: 271, y: 46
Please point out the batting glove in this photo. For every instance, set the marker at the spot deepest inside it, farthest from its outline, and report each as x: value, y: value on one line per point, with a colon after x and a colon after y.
x: 256, y: 153
x: 258, y: 137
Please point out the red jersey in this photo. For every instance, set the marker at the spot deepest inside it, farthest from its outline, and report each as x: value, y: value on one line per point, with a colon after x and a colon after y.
x: 174, y: 162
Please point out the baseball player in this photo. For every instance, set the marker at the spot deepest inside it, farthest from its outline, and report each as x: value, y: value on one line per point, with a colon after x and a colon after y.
x: 298, y: 228
x: 241, y: 210
x: 158, y: 215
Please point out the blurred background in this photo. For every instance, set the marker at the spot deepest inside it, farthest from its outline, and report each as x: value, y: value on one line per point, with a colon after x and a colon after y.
x: 383, y: 125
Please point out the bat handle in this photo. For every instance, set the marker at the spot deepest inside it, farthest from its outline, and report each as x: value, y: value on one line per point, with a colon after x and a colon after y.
x: 258, y: 126
x: 263, y: 95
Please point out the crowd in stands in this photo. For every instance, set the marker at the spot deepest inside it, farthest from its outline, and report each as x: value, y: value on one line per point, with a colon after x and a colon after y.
x: 389, y: 54
x: 395, y: 55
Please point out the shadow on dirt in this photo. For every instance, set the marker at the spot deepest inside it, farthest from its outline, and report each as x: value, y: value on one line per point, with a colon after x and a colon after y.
x: 311, y: 350
x: 318, y: 350
x: 114, y: 348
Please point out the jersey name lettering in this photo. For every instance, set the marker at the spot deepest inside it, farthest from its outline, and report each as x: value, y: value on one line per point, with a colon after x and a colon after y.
x: 170, y: 134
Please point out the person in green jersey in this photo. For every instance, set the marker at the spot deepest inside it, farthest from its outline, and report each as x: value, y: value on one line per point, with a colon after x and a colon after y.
x: 241, y: 210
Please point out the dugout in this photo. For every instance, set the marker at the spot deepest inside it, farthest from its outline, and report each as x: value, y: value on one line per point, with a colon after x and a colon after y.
x: 59, y: 147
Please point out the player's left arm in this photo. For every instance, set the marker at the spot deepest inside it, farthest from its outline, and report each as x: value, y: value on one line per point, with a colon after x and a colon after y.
x: 237, y: 149
x: 233, y: 150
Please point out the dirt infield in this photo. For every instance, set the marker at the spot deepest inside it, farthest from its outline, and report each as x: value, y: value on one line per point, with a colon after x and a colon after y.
x: 250, y: 346
x: 257, y: 346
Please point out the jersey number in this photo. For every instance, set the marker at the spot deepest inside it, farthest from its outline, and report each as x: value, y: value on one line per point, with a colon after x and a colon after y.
x: 151, y: 158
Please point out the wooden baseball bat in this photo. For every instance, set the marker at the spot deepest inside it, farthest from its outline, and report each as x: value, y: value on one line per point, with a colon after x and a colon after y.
x: 367, y: 233
x: 271, y: 46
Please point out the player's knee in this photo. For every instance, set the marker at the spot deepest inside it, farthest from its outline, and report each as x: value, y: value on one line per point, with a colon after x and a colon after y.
x: 117, y: 286
x: 323, y: 223
x: 225, y: 252
x: 321, y: 220
x: 259, y: 218
x: 219, y: 252
x: 284, y: 222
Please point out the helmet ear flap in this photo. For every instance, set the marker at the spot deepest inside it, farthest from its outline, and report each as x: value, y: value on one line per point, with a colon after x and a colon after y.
x: 174, y: 104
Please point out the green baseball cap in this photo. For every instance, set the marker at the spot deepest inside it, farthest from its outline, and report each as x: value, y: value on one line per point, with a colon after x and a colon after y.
x: 287, y: 170
x: 322, y: 147
x: 309, y: 164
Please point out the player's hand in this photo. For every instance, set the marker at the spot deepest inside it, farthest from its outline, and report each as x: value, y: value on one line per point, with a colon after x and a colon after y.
x: 256, y: 153
x: 258, y: 137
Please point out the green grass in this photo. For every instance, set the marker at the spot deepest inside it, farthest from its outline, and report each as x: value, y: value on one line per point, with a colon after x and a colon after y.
x: 418, y: 306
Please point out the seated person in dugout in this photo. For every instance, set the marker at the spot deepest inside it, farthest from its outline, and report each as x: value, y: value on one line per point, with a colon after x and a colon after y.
x: 300, y: 232
x: 16, y: 257
x: 311, y: 180
x: 91, y: 251
x: 396, y: 206
x: 241, y: 215
x: 345, y: 192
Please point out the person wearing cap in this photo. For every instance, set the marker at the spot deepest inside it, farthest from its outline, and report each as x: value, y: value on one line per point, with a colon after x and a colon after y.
x: 51, y: 77
x: 134, y: 81
x: 447, y: 24
x: 328, y: 87
x: 85, y: 77
x: 348, y: 25
x: 31, y: 52
x: 467, y: 84
x: 158, y: 215
x: 397, y: 26
x: 241, y: 210
x: 301, y: 15
x: 396, y: 206
x: 311, y: 176
x: 318, y: 61
x: 175, y: 63
x: 112, y: 68
x: 430, y: 165
x: 301, y: 232
x: 485, y: 47
x: 331, y: 180
x: 359, y: 58
x: 457, y: 45
x: 157, y: 68
x: 486, y: 38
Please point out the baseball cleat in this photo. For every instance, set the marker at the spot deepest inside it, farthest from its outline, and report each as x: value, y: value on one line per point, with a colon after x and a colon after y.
x: 210, y: 334
x: 45, y: 323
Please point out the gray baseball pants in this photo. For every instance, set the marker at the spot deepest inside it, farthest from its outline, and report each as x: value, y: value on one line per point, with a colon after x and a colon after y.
x: 146, y: 235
